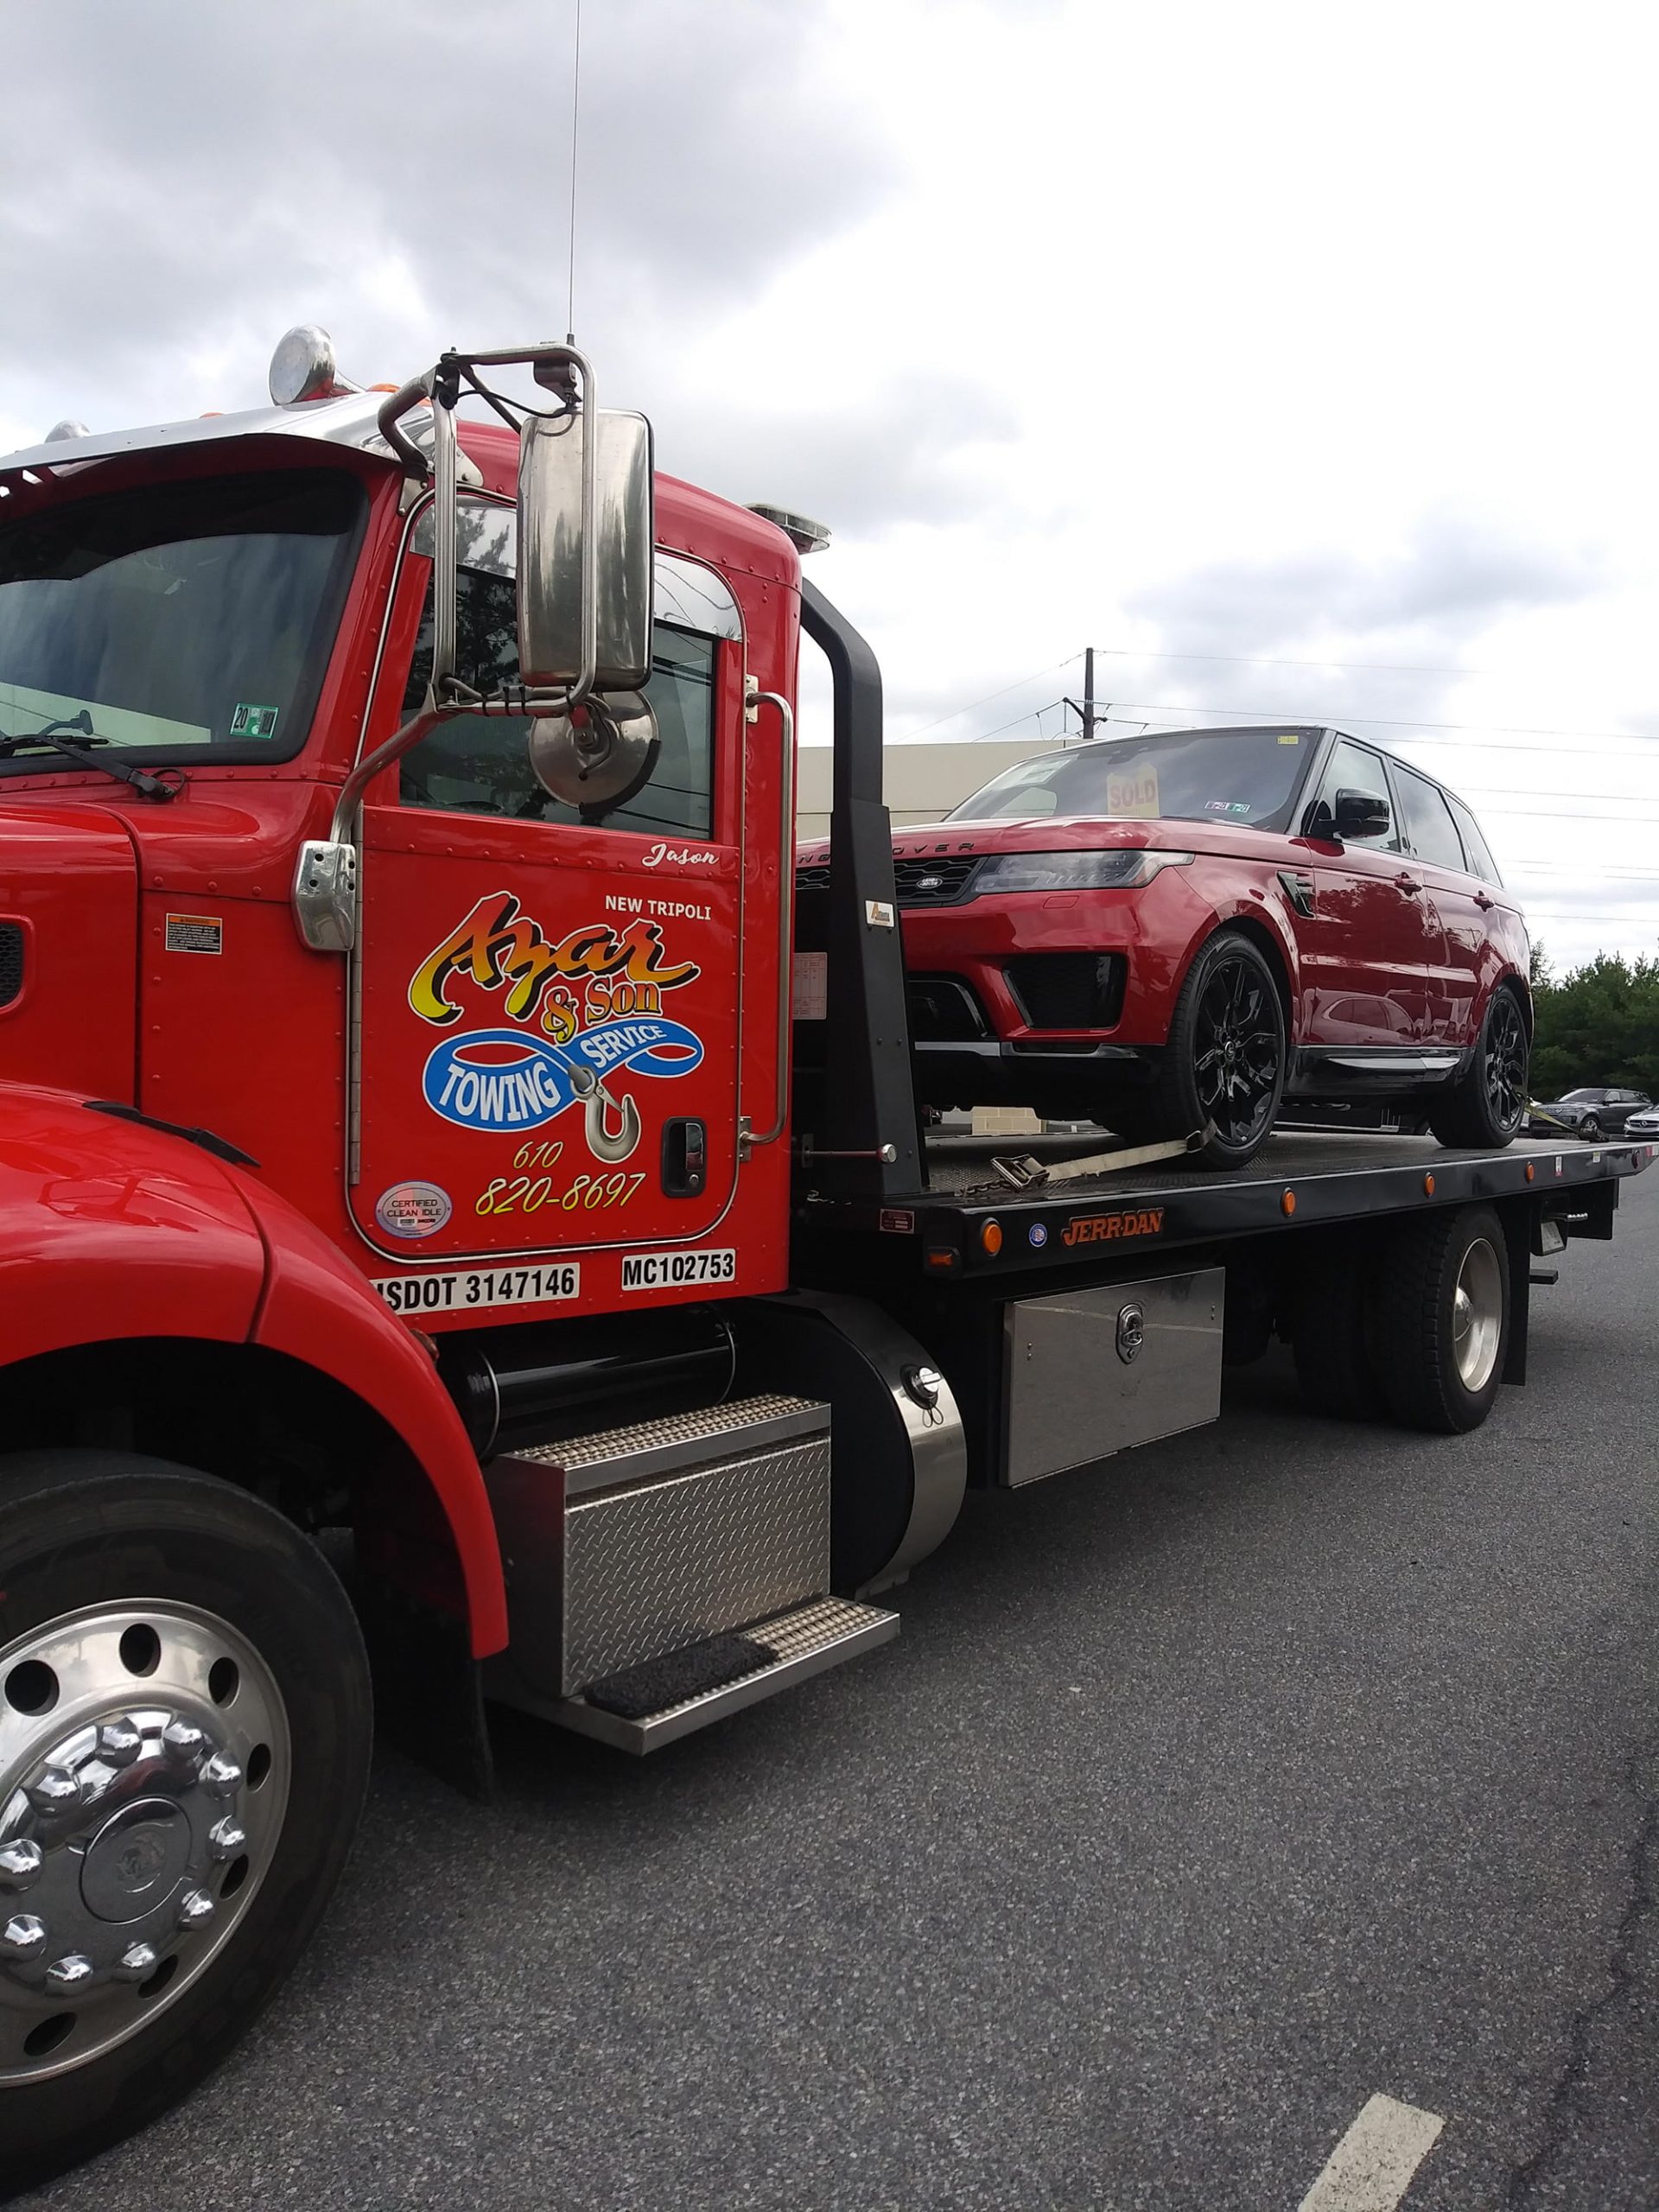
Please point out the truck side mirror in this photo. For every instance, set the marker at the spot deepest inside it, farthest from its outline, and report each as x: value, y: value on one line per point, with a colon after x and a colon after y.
x: 1361, y: 815
x: 585, y: 594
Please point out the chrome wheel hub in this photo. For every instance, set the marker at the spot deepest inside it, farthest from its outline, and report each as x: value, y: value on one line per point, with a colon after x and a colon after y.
x: 1477, y: 1315
x: 145, y: 1761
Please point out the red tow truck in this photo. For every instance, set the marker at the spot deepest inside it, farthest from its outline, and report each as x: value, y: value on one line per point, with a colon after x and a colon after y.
x: 428, y: 1274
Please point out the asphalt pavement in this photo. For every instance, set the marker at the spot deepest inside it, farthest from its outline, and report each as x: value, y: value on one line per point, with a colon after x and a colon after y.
x: 1205, y: 1796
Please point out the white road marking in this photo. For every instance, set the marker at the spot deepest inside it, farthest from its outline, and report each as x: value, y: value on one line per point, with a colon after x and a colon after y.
x: 1371, y: 2170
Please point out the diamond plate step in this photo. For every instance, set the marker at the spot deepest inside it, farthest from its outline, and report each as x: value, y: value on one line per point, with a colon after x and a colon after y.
x: 806, y: 1640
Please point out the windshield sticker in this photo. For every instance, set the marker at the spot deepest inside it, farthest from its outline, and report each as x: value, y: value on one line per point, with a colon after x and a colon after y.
x: 1233, y: 806
x: 1290, y: 737
x: 593, y: 1001
x: 253, y: 722
x: 1133, y: 795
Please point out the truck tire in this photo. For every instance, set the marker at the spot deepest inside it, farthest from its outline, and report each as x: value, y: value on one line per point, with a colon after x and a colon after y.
x: 184, y: 1741
x: 1440, y: 1320
x: 1488, y: 1103
x: 1224, y: 1062
x: 1330, y: 1338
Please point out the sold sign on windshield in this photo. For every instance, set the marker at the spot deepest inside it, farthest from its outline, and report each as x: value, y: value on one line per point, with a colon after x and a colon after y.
x: 1133, y: 797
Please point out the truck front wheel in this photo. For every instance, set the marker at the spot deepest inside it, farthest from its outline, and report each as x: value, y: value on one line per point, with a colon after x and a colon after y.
x: 184, y: 1741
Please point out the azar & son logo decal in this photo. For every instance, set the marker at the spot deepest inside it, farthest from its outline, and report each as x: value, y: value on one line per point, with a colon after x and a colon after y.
x: 591, y: 1004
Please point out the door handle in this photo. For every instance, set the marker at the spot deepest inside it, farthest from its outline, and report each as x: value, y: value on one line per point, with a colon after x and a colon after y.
x: 1484, y: 902
x: 1408, y: 884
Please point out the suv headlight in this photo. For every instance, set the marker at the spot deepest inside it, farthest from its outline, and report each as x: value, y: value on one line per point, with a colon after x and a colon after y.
x: 1122, y: 868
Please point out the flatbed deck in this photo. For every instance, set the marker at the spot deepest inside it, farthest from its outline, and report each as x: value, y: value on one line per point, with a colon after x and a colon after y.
x: 969, y: 1223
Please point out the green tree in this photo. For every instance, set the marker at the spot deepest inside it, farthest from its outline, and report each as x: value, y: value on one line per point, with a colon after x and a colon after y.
x: 1600, y: 1024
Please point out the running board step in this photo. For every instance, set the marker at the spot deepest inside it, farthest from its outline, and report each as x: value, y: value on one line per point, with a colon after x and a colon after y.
x: 642, y: 1708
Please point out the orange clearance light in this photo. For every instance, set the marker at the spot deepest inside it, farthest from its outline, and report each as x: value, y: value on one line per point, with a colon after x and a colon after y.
x: 1288, y: 1204
x: 941, y: 1256
x: 1428, y: 1187
x: 1531, y: 1171
x: 990, y: 1238
x: 385, y: 387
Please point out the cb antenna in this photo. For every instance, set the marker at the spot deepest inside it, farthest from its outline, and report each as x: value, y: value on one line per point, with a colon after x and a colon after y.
x: 575, y: 117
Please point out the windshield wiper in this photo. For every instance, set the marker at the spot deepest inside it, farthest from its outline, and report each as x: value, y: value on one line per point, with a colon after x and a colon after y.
x: 168, y: 784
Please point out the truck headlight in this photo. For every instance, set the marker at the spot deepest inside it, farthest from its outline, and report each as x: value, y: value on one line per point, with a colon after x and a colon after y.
x: 1122, y: 868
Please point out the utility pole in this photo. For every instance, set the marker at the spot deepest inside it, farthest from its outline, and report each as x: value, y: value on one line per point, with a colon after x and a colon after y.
x: 1085, y: 708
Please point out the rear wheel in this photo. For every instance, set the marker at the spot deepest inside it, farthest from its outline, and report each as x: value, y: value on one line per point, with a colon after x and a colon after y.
x: 1440, y: 1320
x: 184, y: 1737
x: 1488, y: 1103
x: 1223, y: 1064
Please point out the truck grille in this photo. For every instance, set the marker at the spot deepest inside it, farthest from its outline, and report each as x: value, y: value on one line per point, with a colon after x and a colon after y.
x: 11, y: 961
x: 1069, y: 990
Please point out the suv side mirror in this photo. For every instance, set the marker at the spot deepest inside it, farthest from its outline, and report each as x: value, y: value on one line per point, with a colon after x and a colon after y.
x: 1360, y: 815
x: 585, y: 551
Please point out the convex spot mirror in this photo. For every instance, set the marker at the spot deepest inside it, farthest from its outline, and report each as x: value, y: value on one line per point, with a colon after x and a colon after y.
x: 599, y: 756
x: 1362, y: 814
x: 552, y: 570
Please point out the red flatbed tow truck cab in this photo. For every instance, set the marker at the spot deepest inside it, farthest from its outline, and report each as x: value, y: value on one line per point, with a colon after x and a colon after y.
x: 400, y: 1141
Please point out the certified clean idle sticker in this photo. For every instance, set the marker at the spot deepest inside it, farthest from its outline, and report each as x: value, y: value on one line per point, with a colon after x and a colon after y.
x: 413, y: 1210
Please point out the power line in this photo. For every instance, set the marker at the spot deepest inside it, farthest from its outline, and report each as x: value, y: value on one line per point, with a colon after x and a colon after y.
x: 956, y: 712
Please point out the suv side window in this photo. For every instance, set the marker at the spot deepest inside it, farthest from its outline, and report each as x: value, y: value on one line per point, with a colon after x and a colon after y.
x: 1428, y: 825
x: 1481, y: 862
x: 480, y: 764
x: 1351, y: 768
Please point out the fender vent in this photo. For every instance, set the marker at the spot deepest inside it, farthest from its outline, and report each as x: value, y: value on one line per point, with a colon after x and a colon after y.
x: 11, y: 961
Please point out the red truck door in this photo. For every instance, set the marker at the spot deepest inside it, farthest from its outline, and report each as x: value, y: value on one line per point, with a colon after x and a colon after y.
x: 548, y: 1055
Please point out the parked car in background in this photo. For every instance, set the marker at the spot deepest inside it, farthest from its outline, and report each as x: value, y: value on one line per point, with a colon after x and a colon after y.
x: 1643, y: 1124
x: 1590, y: 1114
x: 1185, y: 930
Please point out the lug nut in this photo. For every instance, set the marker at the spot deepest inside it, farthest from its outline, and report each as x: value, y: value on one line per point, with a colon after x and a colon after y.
x: 226, y: 1838
x: 120, y: 1741
x: 56, y: 1789
x: 183, y: 1739
x: 197, y: 1910
x: 23, y: 1936
x: 72, y: 1971
x: 20, y: 1864
x: 221, y: 1778
x: 138, y: 1963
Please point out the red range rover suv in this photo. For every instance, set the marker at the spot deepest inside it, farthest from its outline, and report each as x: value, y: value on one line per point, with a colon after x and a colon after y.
x: 1180, y: 932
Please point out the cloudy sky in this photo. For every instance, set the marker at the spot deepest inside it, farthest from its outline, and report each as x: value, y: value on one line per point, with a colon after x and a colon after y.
x: 1299, y: 358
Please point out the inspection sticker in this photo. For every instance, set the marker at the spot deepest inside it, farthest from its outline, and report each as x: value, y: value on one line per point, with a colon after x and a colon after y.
x: 195, y: 933
x: 467, y: 1289
x: 248, y: 721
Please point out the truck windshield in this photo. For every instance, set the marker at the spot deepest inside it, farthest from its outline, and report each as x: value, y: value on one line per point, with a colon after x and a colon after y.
x: 185, y: 618
x: 1247, y: 776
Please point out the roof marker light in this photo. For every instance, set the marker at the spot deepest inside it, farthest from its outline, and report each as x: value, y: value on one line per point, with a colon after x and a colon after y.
x: 802, y: 533
x: 304, y: 367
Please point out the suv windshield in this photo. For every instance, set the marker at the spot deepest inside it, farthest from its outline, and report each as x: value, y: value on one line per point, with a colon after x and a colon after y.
x: 1221, y: 775
x: 182, y: 617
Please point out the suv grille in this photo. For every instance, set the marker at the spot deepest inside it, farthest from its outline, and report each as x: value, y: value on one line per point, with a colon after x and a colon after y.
x: 943, y: 1011
x: 11, y: 961
x: 1069, y: 990
x: 918, y: 883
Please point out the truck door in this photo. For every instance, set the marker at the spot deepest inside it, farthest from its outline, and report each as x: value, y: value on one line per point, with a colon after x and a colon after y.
x: 1363, y: 924
x: 549, y: 1005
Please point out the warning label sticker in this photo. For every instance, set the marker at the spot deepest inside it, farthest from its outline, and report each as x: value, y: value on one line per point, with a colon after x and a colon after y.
x: 195, y: 933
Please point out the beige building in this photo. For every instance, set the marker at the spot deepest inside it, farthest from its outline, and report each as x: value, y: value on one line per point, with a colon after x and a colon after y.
x: 923, y: 781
